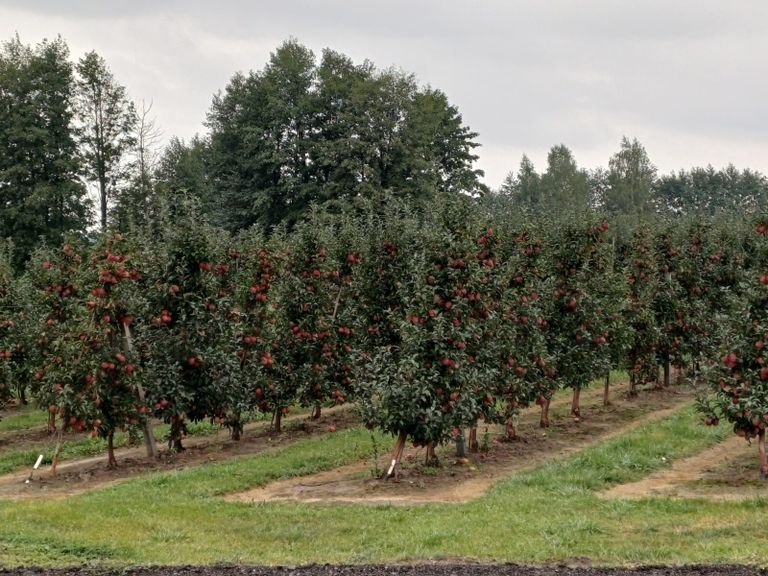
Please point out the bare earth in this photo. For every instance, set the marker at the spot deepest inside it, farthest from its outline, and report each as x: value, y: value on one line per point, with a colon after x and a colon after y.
x: 727, y: 471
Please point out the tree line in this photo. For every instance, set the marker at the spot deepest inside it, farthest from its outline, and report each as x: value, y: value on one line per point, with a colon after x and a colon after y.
x: 631, y: 186
x: 303, y: 131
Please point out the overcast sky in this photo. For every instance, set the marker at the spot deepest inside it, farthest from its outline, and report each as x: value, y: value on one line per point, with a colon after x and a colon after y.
x: 687, y: 78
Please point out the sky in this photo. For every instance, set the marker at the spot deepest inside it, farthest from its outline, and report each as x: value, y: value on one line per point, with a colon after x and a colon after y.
x: 687, y: 78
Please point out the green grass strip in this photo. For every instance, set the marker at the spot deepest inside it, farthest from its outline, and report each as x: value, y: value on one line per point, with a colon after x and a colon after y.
x: 549, y: 514
x: 23, y: 418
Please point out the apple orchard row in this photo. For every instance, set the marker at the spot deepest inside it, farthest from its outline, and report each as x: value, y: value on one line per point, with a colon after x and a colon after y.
x: 429, y: 323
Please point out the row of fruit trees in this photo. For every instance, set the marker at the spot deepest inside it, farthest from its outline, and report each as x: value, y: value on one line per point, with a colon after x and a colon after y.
x: 428, y: 322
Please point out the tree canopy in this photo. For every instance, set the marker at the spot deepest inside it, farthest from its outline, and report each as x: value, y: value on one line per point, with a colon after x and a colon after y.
x: 41, y: 196
x: 299, y: 132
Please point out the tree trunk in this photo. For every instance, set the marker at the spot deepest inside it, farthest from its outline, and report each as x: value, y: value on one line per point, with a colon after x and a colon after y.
x: 461, y: 451
x: 146, y: 429
x: 763, y: 457
x: 544, y: 419
x: 632, y: 384
x: 236, y: 428
x: 278, y: 421
x: 51, y: 423
x: 431, y: 457
x: 57, y: 450
x: 575, y: 410
x: 666, y: 369
x: 102, y: 195
x: 316, y: 411
x: 474, y: 446
x: 23, y: 395
x: 511, y: 432
x: 111, y: 460
x: 606, y: 390
x: 397, y: 453
x: 177, y: 428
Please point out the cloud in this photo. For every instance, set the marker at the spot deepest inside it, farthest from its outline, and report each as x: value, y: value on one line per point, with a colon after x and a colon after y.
x: 684, y: 77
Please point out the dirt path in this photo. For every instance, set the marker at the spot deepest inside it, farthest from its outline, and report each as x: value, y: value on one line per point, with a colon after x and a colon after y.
x: 727, y: 471
x: 81, y: 475
x: 463, y: 481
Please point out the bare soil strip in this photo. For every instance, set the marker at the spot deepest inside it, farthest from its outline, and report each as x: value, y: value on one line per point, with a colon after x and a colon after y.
x: 727, y: 471
x: 463, y: 481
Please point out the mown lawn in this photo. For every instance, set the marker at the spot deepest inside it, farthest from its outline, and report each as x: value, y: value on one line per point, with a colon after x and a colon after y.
x: 549, y: 514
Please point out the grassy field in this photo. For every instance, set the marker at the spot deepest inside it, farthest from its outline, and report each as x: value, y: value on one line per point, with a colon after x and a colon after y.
x: 549, y: 514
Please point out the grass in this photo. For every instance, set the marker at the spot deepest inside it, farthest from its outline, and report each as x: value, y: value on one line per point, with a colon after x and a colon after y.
x: 549, y: 514
x: 24, y: 417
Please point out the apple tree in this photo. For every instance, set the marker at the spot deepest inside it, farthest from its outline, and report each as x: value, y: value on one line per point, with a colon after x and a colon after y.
x: 9, y: 340
x: 435, y: 380
x: 527, y: 372
x: 584, y: 305
x: 644, y: 334
x: 739, y: 376
x: 83, y: 372
x: 193, y: 333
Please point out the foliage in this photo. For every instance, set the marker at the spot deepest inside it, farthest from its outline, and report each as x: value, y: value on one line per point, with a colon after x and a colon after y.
x: 299, y: 132
x: 738, y: 374
x: 585, y: 306
x: 107, y: 119
x: 42, y: 198
x: 630, y: 179
x: 8, y: 325
x: 564, y: 187
x: 192, y: 327
x: 707, y: 191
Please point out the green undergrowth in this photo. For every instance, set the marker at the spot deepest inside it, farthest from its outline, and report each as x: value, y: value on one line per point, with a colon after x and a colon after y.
x: 552, y: 513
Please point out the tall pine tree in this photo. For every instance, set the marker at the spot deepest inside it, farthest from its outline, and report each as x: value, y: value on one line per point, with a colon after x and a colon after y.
x: 41, y: 197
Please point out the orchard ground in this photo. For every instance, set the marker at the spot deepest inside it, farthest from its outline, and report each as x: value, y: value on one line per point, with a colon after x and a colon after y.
x: 430, y: 569
x: 544, y: 499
